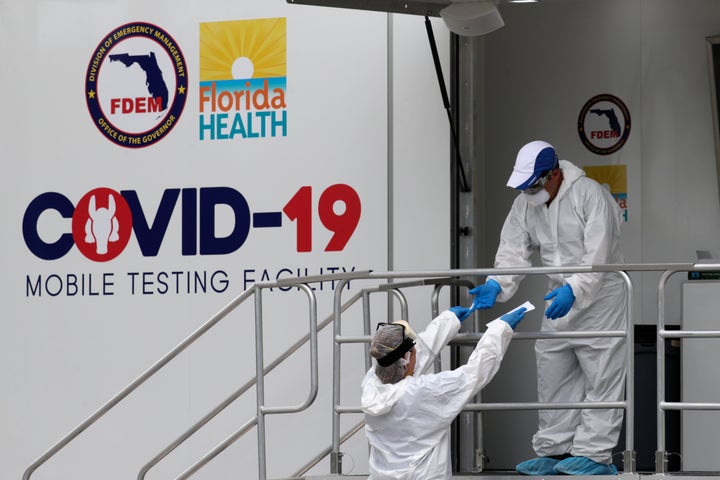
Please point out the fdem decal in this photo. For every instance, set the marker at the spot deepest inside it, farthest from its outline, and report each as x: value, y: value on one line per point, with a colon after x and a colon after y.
x: 243, y: 80
x: 136, y: 85
x: 604, y: 124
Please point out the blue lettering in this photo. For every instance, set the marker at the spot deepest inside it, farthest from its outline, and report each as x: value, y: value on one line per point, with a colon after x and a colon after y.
x: 282, y: 123
x: 41, y: 203
x: 178, y: 282
x: 247, y: 280
x: 243, y: 124
x: 33, y: 290
x: 150, y: 237
x: 209, y: 199
x: 210, y: 127
x: 197, y: 216
x: 222, y: 125
x: 189, y: 221
x: 238, y: 128
x: 71, y: 285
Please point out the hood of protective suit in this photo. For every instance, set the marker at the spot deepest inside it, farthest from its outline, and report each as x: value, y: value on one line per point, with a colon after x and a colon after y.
x: 571, y: 174
x: 377, y: 397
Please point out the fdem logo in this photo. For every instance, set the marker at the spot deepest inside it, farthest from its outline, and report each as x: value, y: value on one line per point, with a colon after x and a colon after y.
x: 243, y: 79
x: 604, y: 124
x: 136, y: 85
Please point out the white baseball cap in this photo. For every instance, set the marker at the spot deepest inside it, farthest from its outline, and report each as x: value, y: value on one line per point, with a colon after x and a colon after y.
x: 533, y: 160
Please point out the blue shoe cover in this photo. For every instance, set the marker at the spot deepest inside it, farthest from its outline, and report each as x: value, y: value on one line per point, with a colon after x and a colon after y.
x: 537, y: 466
x: 584, y: 466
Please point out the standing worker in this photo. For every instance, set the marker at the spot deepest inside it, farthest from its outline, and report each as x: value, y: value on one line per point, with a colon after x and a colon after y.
x: 570, y: 220
x: 407, y: 412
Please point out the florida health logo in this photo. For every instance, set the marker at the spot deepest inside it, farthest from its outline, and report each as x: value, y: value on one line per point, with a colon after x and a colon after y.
x: 243, y: 79
x: 136, y: 85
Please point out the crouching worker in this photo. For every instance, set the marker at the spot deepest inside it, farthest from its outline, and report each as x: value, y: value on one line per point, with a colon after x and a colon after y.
x: 408, y: 413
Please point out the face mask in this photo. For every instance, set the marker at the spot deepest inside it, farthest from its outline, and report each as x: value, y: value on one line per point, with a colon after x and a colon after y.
x: 538, y: 198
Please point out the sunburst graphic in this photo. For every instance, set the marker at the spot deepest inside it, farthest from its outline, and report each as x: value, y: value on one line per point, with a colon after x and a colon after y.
x: 613, y: 176
x: 243, y: 49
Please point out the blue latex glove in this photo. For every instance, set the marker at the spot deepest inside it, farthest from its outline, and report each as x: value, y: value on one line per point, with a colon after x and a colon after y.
x: 460, y: 312
x: 514, y: 317
x: 486, y: 294
x: 564, y: 299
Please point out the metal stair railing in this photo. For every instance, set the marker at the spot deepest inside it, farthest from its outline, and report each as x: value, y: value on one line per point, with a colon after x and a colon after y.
x: 254, y: 421
x: 262, y: 409
x: 189, y: 340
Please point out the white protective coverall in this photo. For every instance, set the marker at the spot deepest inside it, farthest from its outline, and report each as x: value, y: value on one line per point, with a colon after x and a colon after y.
x: 408, y: 423
x: 579, y: 227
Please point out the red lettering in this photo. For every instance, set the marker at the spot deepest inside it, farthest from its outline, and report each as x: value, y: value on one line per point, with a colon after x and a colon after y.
x: 155, y: 104
x: 604, y: 134
x: 127, y: 105
x: 136, y: 105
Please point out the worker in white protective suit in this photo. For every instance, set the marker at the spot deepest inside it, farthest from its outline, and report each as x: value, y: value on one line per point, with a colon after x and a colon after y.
x: 408, y: 412
x: 570, y: 220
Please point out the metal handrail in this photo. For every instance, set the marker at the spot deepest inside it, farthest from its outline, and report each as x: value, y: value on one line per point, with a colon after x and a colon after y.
x: 172, y: 354
x: 661, y: 456
x: 482, y: 407
x: 628, y: 405
x: 435, y: 277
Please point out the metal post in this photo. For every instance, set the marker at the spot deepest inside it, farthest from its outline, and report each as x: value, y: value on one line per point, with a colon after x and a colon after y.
x: 367, y: 328
x: 335, y: 454
x: 629, y: 462
x: 661, y: 460
x: 260, y: 385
